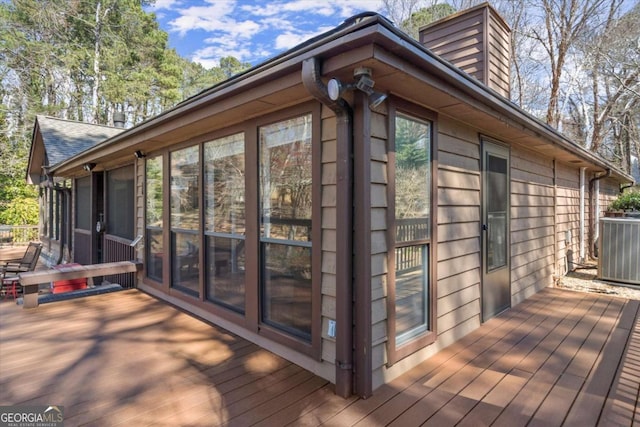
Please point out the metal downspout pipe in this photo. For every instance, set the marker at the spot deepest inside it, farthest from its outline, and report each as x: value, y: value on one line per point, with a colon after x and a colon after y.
x: 344, y: 224
x: 583, y: 185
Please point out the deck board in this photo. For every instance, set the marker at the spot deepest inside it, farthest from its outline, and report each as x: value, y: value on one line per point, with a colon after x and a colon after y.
x: 126, y: 358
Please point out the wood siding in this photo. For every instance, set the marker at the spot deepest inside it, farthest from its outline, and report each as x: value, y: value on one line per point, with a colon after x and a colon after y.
x: 459, y: 246
x: 568, y: 217
x: 499, y: 48
x: 329, y: 189
x: 609, y: 191
x: 379, y: 164
x: 532, y: 223
x: 477, y: 41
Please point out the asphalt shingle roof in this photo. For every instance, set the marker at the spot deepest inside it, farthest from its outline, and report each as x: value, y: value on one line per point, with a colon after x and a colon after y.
x: 64, y: 139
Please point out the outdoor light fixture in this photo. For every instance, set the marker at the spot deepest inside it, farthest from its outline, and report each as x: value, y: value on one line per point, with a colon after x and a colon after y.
x: 364, y: 83
x: 335, y: 89
x: 89, y: 166
x: 139, y: 154
x: 376, y: 98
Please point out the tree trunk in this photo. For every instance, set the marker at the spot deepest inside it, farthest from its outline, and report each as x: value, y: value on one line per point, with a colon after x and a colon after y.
x: 97, y: 40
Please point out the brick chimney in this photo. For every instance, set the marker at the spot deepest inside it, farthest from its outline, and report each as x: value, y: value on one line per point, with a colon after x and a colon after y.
x: 477, y: 41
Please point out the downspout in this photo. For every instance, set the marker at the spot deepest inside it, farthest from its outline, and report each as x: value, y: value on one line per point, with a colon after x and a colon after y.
x: 624, y: 187
x: 344, y: 224
x: 594, y: 192
x: 582, y: 213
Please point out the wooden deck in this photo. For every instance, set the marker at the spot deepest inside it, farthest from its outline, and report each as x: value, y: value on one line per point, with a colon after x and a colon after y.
x: 128, y: 359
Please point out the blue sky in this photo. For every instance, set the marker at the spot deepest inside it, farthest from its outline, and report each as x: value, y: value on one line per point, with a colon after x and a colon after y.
x: 250, y: 30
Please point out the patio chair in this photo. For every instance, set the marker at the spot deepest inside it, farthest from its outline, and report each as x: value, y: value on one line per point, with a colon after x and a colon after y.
x: 26, y: 263
x: 9, y: 270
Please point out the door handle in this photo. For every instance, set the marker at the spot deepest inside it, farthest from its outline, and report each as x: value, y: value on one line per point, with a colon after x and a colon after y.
x: 485, y: 227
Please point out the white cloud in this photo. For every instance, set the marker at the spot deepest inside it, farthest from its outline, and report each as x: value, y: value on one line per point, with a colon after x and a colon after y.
x: 290, y: 39
x: 164, y: 4
x: 209, y: 18
x: 323, y: 8
x: 253, y: 31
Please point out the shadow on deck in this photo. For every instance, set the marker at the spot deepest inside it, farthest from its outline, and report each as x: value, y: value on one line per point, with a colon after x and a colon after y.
x: 126, y: 358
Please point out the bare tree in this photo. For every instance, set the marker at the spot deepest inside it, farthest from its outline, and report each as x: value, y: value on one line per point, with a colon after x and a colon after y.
x: 411, y: 15
x: 563, y: 22
x: 613, y: 57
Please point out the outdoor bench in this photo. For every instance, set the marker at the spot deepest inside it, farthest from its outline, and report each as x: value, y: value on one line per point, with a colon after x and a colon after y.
x: 32, y: 279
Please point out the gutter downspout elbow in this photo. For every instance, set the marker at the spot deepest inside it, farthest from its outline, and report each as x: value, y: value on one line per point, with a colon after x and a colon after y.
x: 628, y: 185
x: 311, y: 78
x: 594, y: 218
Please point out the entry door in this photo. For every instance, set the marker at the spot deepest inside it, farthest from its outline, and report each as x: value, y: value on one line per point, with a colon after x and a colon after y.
x: 496, y: 279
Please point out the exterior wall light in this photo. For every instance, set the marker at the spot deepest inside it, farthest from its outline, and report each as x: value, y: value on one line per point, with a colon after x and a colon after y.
x: 89, y: 166
x: 335, y: 89
x: 139, y: 154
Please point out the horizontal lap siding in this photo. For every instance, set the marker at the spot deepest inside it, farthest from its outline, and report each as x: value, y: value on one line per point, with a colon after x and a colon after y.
x: 378, y: 163
x: 568, y: 217
x: 328, y: 225
x: 532, y: 219
x: 458, y: 269
x: 609, y: 191
x: 499, y: 47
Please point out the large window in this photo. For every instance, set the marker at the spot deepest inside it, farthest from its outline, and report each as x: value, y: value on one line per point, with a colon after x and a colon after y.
x: 224, y: 181
x: 411, y: 216
x: 154, y: 218
x: 236, y: 227
x: 121, y: 196
x: 185, y: 219
x: 286, y: 196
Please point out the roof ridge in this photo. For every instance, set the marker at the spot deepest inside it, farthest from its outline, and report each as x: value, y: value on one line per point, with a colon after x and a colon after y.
x: 38, y: 116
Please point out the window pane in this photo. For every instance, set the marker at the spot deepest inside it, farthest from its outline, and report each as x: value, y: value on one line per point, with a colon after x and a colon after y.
x: 121, y: 198
x: 412, y: 317
x: 83, y: 203
x: 226, y: 272
x: 154, y: 191
x: 285, y: 179
x: 155, y: 251
x: 286, y: 300
x: 185, y: 271
x: 154, y: 220
x: 412, y: 179
x: 224, y: 185
x: 497, y: 203
x: 185, y: 175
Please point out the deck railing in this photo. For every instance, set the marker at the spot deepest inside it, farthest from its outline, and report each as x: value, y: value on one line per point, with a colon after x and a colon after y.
x: 17, y: 235
x: 118, y: 249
